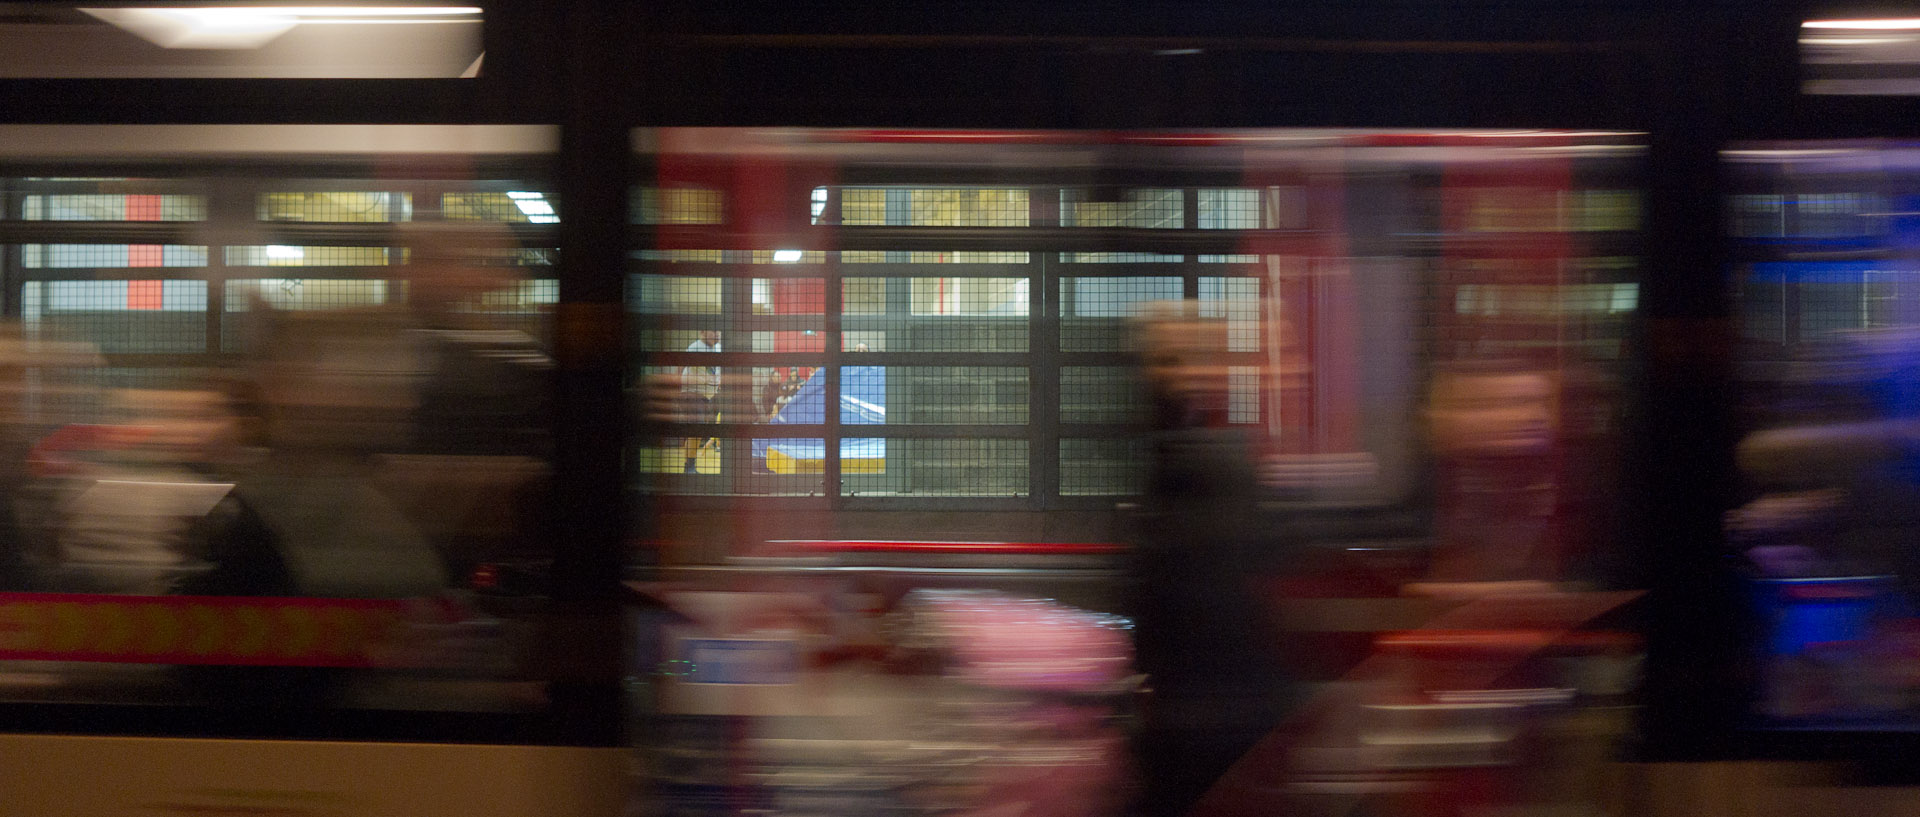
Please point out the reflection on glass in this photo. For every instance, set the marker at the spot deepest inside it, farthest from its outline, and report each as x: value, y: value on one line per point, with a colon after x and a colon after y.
x: 1828, y: 351
x: 1283, y: 366
x: 321, y: 485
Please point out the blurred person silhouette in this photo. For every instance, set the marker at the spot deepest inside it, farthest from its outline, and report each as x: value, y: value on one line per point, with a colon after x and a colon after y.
x: 135, y: 492
x: 485, y: 391
x: 337, y: 388
x: 31, y: 373
x: 699, y: 395
x: 473, y: 473
x: 1495, y: 427
x: 1206, y: 642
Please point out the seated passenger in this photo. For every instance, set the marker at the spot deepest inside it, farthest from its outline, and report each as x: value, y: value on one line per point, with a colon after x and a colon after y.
x: 135, y: 492
x: 308, y: 520
x: 1494, y: 426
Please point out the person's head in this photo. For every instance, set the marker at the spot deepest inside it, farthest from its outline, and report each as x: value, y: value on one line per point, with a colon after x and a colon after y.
x: 1180, y: 350
x: 187, y: 423
x: 710, y: 337
x: 449, y: 265
x: 1493, y: 408
x: 861, y: 347
x: 344, y: 380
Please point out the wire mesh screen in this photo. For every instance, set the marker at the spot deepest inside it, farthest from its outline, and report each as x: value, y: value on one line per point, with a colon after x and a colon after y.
x: 673, y: 295
x: 970, y: 314
x: 1102, y: 466
x: 518, y: 206
x: 119, y: 316
x: 1101, y: 394
x: 727, y: 466
x: 677, y: 205
x: 934, y: 207
x: 1144, y: 208
x: 110, y: 256
x: 698, y: 461
x: 942, y: 395
x: 337, y: 207
x: 281, y: 255
x: 112, y: 207
x: 1095, y: 313
x: 934, y: 257
x: 242, y: 296
x: 755, y: 314
x: 1238, y: 301
x: 1230, y: 209
x: 874, y: 466
x: 1119, y: 258
x: 1833, y: 215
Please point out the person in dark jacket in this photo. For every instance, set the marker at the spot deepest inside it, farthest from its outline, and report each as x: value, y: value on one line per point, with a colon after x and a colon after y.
x: 1203, y: 636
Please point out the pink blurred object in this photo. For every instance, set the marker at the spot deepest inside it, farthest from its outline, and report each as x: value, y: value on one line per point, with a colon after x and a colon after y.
x: 1007, y: 642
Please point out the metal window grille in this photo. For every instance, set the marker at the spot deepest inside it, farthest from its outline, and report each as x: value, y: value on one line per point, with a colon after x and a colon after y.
x: 336, y: 207
x: 1096, y: 312
x: 1101, y: 467
x: 1230, y: 209
x: 110, y: 256
x: 1101, y: 394
x: 295, y: 294
x: 678, y: 205
x: 1007, y: 363
x: 119, y: 316
x: 280, y: 255
x: 1145, y: 208
x: 112, y: 207
x: 519, y: 206
x: 960, y: 314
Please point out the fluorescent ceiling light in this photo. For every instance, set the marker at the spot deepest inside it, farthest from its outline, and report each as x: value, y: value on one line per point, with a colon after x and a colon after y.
x: 786, y: 256
x: 237, y: 27
x: 1889, y: 24
x: 281, y: 251
x: 535, y: 205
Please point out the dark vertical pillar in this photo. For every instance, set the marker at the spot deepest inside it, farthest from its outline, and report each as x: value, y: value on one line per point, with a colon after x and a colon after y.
x: 592, y: 177
x: 231, y: 205
x: 12, y: 275
x: 1695, y: 610
x: 1043, y: 350
x: 832, y: 308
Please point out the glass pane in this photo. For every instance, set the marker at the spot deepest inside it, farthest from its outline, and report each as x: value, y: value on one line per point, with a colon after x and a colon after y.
x: 1399, y: 351
x: 1101, y: 394
x: 336, y: 206
x: 936, y: 395
x: 1095, y: 312
x: 1162, y: 209
x: 314, y: 487
x: 1102, y: 467
x: 877, y: 467
x: 1825, y: 529
x: 936, y: 314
